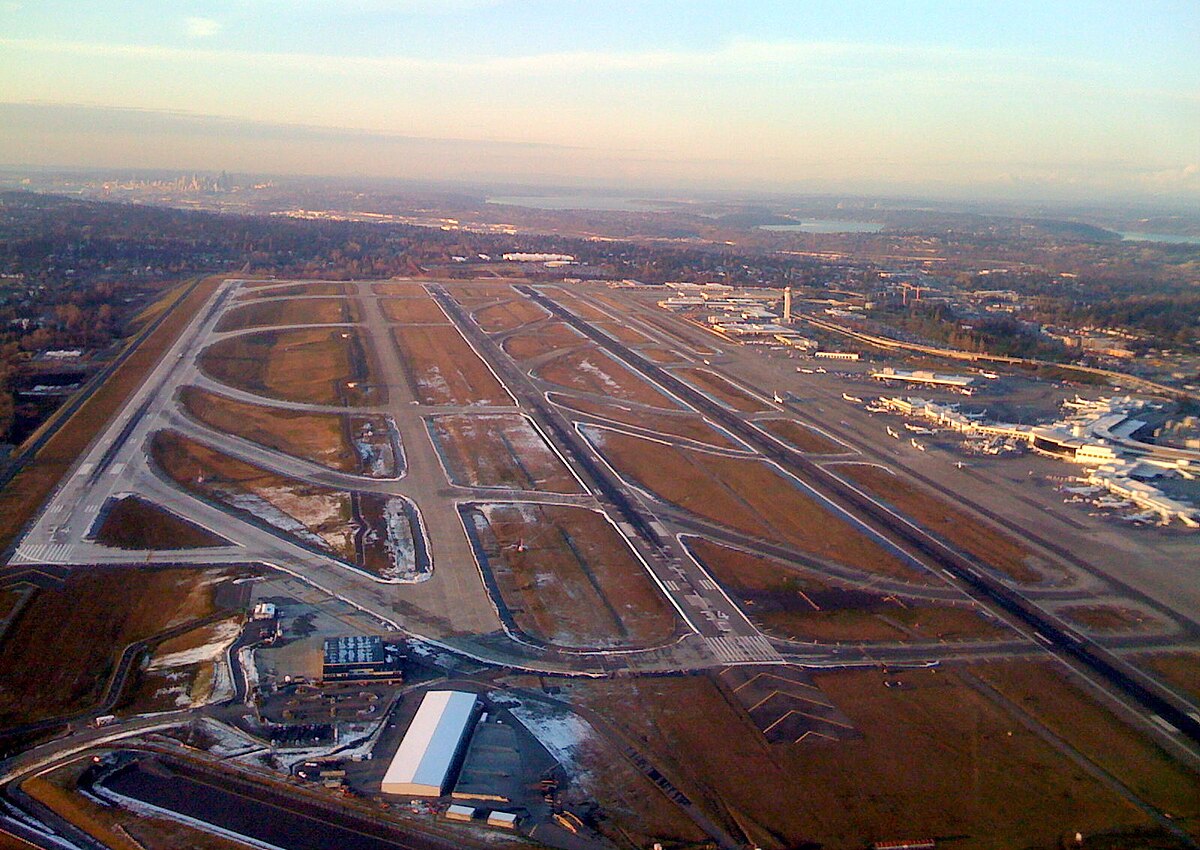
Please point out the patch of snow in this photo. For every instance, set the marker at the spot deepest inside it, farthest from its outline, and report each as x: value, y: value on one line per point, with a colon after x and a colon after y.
x: 222, y: 636
x: 590, y: 368
x: 268, y: 513
x: 563, y: 733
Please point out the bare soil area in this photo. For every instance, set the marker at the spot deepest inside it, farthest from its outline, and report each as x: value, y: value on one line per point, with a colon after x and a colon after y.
x: 590, y: 370
x: 970, y: 533
x: 509, y: 315
x: 569, y: 578
x: 689, y: 426
x: 418, y: 311
x: 500, y: 450
x: 257, y: 289
x: 748, y: 495
x: 546, y: 338
x: 134, y: 523
x: 722, y: 390
x: 800, y: 437
x: 1110, y: 618
x: 443, y: 369
x: 400, y: 289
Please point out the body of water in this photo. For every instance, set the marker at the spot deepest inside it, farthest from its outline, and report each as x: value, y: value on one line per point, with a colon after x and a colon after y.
x: 601, y: 203
x: 826, y: 226
x: 1172, y: 238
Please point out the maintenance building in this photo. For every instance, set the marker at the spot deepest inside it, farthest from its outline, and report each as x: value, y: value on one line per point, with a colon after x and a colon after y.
x: 433, y: 745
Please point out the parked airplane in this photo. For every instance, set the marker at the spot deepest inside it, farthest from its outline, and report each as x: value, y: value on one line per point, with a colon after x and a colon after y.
x: 778, y: 399
x: 916, y: 445
x: 852, y: 398
x: 917, y: 429
x: 989, y: 375
x: 892, y: 432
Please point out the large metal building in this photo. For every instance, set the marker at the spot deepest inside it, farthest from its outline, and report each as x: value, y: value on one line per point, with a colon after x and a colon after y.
x: 433, y: 744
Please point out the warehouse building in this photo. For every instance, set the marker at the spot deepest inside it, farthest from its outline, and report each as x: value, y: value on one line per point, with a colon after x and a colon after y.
x: 435, y: 741
x: 360, y: 658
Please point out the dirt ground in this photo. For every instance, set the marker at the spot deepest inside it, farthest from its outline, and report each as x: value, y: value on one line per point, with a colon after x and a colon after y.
x: 414, y: 311
x: 576, y: 305
x: 509, y: 315
x: 966, y: 531
x: 722, y: 390
x: 551, y: 336
x: 133, y: 523
x: 85, y: 625
x: 401, y: 289
x: 444, y: 369
x: 321, y: 287
x: 793, y: 605
x: 1109, y: 618
x: 626, y: 334
x: 312, y: 513
x: 801, y: 437
x: 590, y: 370
x: 935, y: 759
x: 571, y: 580
x: 500, y: 450
x: 320, y: 437
x: 690, y: 426
x: 747, y: 495
x: 315, y: 366
x: 1181, y: 669
x: 314, y: 311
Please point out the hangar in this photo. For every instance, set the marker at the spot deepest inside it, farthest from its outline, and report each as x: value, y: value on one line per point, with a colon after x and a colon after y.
x: 433, y: 744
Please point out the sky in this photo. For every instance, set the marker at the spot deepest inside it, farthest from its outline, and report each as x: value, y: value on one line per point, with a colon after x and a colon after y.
x: 1072, y: 98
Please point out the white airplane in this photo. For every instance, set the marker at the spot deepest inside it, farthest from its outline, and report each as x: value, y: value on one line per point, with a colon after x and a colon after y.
x: 917, y: 429
x: 1112, y: 503
x: 1081, y: 491
x: 852, y: 398
x: 805, y: 371
x: 777, y: 398
x: 892, y: 432
x: 821, y: 370
x: 991, y: 376
x: 1145, y: 516
x: 916, y: 445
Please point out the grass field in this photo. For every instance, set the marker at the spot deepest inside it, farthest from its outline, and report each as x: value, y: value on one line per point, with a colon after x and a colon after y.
x: 626, y: 334
x: 1109, y: 618
x: 134, y: 523
x: 313, y: 514
x: 722, y: 390
x: 316, y: 366
x: 800, y: 437
x: 967, y: 532
x: 936, y: 759
x: 499, y: 450
x: 794, y: 605
x: 1180, y: 669
x: 474, y: 293
x: 320, y: 437
x: 414, y: 311
x: 689, y: 426
x: 24, y: 495
x: 85, y: 625
x: 749, y: 496
x: 400, y: 289
x: 550, y: 337
x: 257, y: 289
x: 592, y: 371
x: 443, y: 369
x: 569, y: 578
x: 1043, y: 691
x: 290, y: 311
x: 509, y: 315
x: 576, y: 305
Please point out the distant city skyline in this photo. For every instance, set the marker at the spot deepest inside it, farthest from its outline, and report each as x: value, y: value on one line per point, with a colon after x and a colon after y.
x: 1007, y: 99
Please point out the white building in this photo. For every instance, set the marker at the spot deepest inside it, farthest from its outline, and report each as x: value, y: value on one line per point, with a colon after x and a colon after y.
x: 431, y: 747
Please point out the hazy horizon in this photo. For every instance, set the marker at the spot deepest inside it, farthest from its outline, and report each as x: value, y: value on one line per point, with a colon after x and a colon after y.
x: 1084, y: 101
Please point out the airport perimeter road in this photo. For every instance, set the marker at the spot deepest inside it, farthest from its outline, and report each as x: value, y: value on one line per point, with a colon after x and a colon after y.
x: 1160, y: 705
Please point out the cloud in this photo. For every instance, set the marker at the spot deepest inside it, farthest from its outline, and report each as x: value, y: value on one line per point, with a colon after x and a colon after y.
x: 201, y: 27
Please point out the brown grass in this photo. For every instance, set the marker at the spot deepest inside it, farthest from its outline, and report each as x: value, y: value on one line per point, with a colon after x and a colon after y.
x: 290, y: 311
x: 1042, y: 690
x: 220, y: 478
x: 626, y: 334
x: 592, y: 371
x: 319, y: 437
x: 400, y: 289
x: 576, y: 305
x: 509, y: 315
x: 324, y: 287
x: 750, y: 496
x: 691, y: 338
x: 966, y: 531
x: 795, y: 606
x: 801, y: 437
x: 1109, y: 618
x: 312, y: 366
x: 78, y: 810
x: 571, y: 580
x: 722, y: 390
x: 475, y: 293
x: 414, y: 311
x: 134, y: 523
x: 935, y: 759
x: 500, y: 450
x: 1180, y: 669
x: 689, y: 426
x: 659, y: 355
x: 443, y: 369
x: 84, y: 626
x: 552, y: 336
x: 29, y: 488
